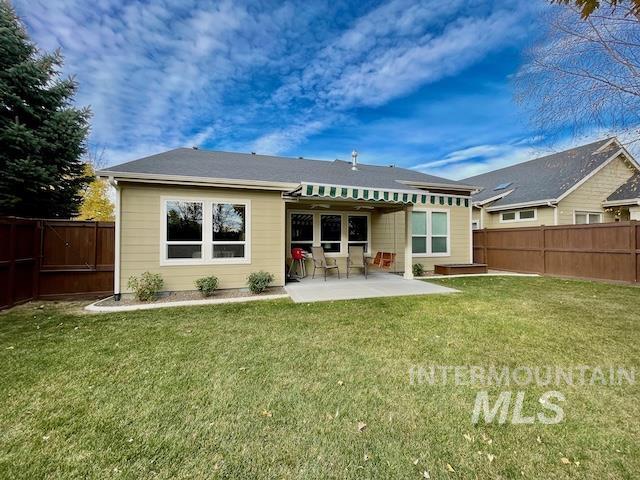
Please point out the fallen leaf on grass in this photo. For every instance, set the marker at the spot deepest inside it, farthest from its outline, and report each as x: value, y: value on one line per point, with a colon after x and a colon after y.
x: 565, y: 460
x: 366, y: 457
x: 425, y: 474
x: 242, y: 369
x: 491, y: 457
x: 538, y: 439
x: 361, y: 426
x: 467, y: 437
x: 450, y: 468
x: 340, y: 382
x: 267, y: 413
x: 415, y: 462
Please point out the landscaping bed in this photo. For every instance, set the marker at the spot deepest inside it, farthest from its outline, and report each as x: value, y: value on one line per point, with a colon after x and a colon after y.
x: 169, y: 297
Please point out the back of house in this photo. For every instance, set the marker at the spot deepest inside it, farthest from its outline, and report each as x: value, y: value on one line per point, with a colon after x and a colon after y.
x: 190, y: 213
x: 594, y: 183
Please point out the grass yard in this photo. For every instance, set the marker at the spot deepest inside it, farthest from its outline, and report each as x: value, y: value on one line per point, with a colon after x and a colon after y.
x: 277, y: 390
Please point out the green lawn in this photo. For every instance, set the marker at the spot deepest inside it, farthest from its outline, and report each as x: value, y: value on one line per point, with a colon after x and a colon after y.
x: 277, y: 390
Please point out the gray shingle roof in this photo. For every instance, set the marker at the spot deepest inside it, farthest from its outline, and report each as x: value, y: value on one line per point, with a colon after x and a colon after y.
x: 628, y: 191
x: 243, y: 166
x: 543, y: 178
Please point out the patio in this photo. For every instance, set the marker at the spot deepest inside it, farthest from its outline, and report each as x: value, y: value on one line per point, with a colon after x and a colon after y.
x: 378, y: 284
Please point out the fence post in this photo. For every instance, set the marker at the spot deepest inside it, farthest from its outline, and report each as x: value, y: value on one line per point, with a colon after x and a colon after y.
x: 485, y: 253
x: 37, y: 255
x: 633, y: 248
x: 543, y: 245
x: 12, y: 264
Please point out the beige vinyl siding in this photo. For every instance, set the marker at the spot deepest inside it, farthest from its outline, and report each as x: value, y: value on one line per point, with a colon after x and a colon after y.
x: 388, y: 236
x: 140, y: 236
x: 545, y: 216
x: 589, y: 196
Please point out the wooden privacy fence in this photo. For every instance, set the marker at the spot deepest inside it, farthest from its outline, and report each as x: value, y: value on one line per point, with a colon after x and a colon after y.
x: 54, y: 259
x: 607, y: 251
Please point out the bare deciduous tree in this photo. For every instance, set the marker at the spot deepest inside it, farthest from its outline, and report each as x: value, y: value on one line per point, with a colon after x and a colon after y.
x: 585, y: 74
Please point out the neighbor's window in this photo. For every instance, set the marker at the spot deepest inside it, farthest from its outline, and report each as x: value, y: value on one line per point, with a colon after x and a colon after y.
x: 518, y: 216
x: 331, y: 233
x: 302, y: 231
x: 587, y: 218
x: 358, y: 231
x: 430, y: 233
x: 229, y: 229
x: 184, y: 230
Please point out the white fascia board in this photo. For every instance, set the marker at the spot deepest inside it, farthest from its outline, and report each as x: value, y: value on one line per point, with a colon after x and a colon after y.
x: 617, y: 203
x: 197, y: 181
x: 493, y: 199
x: 537, y: 203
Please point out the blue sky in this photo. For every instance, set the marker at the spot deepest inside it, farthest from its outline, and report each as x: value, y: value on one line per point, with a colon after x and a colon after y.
x: 422, y: 85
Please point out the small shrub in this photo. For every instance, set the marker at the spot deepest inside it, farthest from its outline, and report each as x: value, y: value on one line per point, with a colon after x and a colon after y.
x: 418, y: 270
x: 259, y: 281
x: 207, y: 285
x: 146, y: 287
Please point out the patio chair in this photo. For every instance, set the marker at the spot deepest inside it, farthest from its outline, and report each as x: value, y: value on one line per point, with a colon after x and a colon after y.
x: 356, y: 259
x: 320, y: 261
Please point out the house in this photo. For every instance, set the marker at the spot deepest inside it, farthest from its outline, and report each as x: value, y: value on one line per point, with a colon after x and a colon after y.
x: 189, y: 213
x: 592, y: 183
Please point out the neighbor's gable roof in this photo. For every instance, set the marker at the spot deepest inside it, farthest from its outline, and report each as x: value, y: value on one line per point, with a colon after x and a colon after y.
x: 203, y: 164
x: 546, y: 178
x: 628, y: 191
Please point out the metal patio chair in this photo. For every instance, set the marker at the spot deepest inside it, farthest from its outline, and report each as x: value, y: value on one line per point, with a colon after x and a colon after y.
x: 320, y: 261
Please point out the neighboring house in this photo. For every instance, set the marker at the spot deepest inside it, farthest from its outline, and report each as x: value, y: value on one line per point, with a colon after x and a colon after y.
x: 592, y: 183
x: 188, y: 213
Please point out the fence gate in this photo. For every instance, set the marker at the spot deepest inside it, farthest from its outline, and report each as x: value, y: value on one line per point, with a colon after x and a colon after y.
x: 54, y: 259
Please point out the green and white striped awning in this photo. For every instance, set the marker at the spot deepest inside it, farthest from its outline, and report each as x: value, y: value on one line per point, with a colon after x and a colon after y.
x: 378, y: 195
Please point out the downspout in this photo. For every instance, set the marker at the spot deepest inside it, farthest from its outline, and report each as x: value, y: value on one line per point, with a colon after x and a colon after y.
x: 116, y: 259
x: 555, y: 212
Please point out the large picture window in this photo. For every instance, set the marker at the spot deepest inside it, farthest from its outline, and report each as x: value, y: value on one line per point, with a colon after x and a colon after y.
x: 430, y: 233
x: 205, y: 231
x: 184, y: 230
x: 302, y: 231
x: 358, y: 231
x: 331, y: 233
x: 229, y: 224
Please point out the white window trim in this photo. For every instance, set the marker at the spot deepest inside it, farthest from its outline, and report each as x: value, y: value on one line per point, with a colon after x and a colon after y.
x: 339, y: 242
x: 344, y: 237
x: 475, y: 224
x: 207, y: 232
x: 429, y: 236
x: 517, y: 218
x: 587, y: 213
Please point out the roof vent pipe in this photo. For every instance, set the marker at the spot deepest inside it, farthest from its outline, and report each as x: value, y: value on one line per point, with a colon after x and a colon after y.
x: 354, y: 160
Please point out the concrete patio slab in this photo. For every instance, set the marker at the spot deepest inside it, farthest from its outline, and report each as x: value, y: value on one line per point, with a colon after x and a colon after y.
x: 378, y: 284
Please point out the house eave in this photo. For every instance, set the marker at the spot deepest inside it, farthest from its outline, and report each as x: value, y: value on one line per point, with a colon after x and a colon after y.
x: 535, y: 203
x: 621, y: 203
x: 196, y: 181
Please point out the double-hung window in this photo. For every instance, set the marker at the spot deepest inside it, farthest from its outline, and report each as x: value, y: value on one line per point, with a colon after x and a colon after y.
x: 205, y: 231
x: 430, y: 233
x: 331, y: 233
x: 183, y: 230
x: 358, y: 231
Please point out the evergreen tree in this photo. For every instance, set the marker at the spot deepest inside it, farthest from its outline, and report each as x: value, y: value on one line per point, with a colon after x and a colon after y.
x: 42, y: 135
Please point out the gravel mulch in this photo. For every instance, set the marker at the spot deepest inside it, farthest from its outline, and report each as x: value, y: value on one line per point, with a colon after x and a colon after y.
x: 167, y: 297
